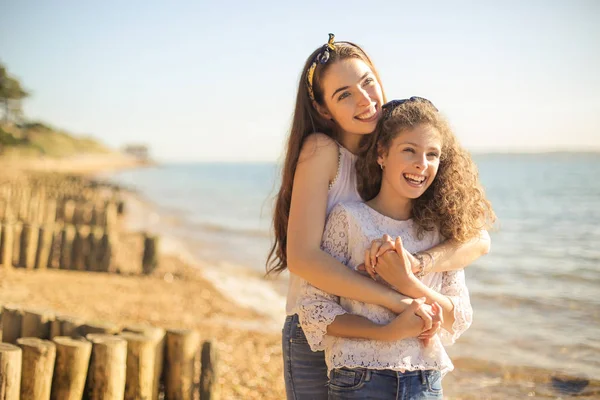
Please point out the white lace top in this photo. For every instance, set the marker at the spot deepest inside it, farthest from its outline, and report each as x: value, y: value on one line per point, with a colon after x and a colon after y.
x: 341, y: 189
x: 349, y: 231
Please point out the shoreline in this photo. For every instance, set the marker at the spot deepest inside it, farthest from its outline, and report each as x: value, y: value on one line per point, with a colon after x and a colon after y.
x: 240, y: 284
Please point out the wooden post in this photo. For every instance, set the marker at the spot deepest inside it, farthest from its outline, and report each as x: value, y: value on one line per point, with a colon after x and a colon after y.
x: 150, y: 257
x: 16, y: 256
x: 50, y: 212
x: 106, y: 256
x: 34, y: 205
x: 158, y: 337
x: 8, y: 236
x: 208, y: 374
x: 64, y: 325
x: 11, y: 358
x: 55, y: 328
x: 66, y: 252
x: 87, y: 211
x: 55, y: 250
x: 80, y: 248
x: 68, y: 211
x: 106, y: 374
x: 38, y: 365
x: 102, y: 327
x: 46, y: 237
x: 24, y: 204
x: 29, y: 244
x: 12, y: 318
x: 78, y: 213
x: 95, y: 246
x: 111, y: 215
x: 70, y: 370
x: 141, y: 356
x: 182, y: 348
x: 36, y: 324
x: 120, y: 207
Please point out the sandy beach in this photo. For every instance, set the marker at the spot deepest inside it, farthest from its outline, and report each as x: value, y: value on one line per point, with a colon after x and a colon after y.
x: 184, y: 292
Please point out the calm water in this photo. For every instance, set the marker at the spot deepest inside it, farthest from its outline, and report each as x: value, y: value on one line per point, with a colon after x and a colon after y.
x: 536, y: 295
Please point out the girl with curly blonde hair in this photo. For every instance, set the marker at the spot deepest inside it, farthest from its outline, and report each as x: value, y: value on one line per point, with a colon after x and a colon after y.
x: 421, y: 188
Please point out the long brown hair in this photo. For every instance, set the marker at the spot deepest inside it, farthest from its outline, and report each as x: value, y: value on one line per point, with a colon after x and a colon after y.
x: 455, y: 202
x: 306, y: 121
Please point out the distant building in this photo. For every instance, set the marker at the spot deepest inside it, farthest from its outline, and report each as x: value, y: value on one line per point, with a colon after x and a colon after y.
x: 139, y: 151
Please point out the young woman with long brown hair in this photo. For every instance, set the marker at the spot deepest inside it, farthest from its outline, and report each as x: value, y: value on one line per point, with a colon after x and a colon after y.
x: 339, y: 101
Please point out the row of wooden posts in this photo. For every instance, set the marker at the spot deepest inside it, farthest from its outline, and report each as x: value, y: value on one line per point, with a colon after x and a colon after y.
x: 44, y: 356
x: 63, y: 222
x: 71, y: 247
x: 36, y: 208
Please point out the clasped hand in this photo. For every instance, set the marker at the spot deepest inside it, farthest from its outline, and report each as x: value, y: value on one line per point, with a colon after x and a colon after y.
x: 390, y: 261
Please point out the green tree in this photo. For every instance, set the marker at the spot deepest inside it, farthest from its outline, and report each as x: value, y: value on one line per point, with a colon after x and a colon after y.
x: 11, y: 95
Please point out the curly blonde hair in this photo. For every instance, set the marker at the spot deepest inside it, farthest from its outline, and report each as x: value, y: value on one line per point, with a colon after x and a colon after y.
x: 455, y: 202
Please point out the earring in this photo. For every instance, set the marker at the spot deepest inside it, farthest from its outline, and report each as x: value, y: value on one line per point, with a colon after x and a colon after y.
x: 381, y: 165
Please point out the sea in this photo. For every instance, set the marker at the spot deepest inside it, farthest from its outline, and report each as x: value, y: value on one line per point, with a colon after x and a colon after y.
x: 536, y: 295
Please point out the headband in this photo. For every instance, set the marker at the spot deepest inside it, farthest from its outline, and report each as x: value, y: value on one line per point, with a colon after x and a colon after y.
x: 321, y: 58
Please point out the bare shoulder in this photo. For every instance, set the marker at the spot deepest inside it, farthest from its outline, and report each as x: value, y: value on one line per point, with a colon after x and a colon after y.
x: 319, y: 147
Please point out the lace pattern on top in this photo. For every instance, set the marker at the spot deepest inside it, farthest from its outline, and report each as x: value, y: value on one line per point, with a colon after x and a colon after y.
x: 348, y: 232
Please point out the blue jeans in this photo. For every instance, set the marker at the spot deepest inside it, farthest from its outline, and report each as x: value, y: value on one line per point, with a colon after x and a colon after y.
x: 305, y: 371
x: 362, y: 383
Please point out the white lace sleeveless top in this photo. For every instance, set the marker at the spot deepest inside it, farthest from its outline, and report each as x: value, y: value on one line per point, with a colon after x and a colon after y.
x: 341, y: 189
x: 349, y: 231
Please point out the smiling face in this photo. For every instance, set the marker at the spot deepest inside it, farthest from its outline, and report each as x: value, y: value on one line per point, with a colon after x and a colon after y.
x: 411, y: 162
x: 352, y: 96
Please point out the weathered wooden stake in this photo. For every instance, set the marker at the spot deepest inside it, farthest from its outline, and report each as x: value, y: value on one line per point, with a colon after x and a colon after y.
x: 103, y: 327
x: 11, y: 358
x: 29, y: 243
x: 36, y: 324
x: 38, y: 365
x: 106, y: 256
x: 71, y: 367
x: 16, y: 256
x: 12, y: 318
x: 80, y: 248
x: 46, y: 236
x: 56, y: 249
x: 95, y: 246
x: 68, y: 211
x: 87, y: 211
x: 182, y: 348
x: 141, y: 356
x: 106, y: 374
x: 208, y: 374
x: 150, y: 257
x: 111, y: 215
x: 66, y: 252
x: 64, y: 325
x: 158, y: 337
x: 50, y: 212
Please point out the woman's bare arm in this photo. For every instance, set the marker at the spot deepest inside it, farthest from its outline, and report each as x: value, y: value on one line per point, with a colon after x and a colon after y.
x: 452, y: 255
x: 317, y: 166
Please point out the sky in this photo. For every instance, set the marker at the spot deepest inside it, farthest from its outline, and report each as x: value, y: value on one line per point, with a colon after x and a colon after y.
x: 216, y: 81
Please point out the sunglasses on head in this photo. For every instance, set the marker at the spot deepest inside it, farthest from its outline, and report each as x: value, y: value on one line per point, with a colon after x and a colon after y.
x: 388, y: 107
